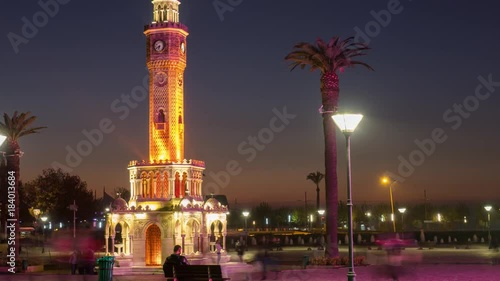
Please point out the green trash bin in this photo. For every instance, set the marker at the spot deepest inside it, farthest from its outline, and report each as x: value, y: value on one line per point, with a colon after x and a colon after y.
x: 106, y: 268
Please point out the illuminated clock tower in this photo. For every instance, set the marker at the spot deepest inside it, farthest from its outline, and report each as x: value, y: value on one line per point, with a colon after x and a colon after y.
x: 166, y: 175
x: 167, y: 206
x: 166, y: 61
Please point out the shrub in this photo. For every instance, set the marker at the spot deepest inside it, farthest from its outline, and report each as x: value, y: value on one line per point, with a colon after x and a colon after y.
x: 337, y: 261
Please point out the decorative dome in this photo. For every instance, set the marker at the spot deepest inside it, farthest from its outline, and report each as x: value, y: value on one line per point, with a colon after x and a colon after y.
x: 212, y: 203
x: 119, y: 204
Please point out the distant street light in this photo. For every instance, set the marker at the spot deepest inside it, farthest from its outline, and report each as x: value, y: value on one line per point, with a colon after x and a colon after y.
x: 488, y: 209
x: 245, y: 214
x: 386, y: 180
x: 402, y: 211
x: 347, y: 123
x: 74, y: 208
x: 321, y: 213
x: 44, y: 219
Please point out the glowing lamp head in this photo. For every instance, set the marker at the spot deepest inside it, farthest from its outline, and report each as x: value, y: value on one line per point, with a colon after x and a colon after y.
x: 321, y: 212
x: 487, y: 208
x: 347, y: 123
x: 402, y: 210
x: 245, y: 214
x: 44, y: 219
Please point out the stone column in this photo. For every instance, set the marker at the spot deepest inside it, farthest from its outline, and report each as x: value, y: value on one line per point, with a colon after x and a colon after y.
x: 171, y: 186
x: 130, y: 244
x: 183, y: 238
x: 154, y: 189
x: 205, y: 243
x: 106, y: 237
x: 112, y: 245
x: 224, y: 241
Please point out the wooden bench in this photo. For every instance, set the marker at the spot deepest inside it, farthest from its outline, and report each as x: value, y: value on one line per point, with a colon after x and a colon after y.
x: 193, y: 272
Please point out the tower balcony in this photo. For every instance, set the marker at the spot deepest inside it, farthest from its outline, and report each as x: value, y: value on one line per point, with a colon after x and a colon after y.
x: 190, y: 162
x: 159, y: 25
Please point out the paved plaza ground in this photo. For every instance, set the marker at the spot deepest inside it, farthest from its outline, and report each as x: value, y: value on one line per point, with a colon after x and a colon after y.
x: 369, y: 273
x: 438, y: 264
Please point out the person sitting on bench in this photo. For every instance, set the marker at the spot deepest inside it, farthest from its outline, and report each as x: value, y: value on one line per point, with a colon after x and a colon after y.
x: 176, y: 258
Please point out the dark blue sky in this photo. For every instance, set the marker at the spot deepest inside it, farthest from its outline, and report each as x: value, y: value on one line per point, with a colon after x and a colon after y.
x: 427, y: 58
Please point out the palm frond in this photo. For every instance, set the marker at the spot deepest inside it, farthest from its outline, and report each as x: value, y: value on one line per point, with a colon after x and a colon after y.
x: 17, y: 125
x: 331, y: 57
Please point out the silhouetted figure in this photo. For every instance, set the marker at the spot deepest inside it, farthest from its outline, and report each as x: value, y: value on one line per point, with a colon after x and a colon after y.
x: 174, y: 259
x: 239, y: 250
x: 161, y: 116
x: 218, y: 249
x: 73, y: 261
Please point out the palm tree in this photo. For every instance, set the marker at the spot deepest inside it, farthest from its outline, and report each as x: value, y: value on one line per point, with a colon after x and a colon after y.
x: 14, y: 128
x: 316, y: 178
x: 329, y: 59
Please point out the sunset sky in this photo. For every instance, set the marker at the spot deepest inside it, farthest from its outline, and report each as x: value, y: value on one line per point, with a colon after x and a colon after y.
x: 436, y: 77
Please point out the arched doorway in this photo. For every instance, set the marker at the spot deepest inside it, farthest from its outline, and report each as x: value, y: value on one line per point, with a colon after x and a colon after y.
x: 153, y: 245
x: 216, y: 231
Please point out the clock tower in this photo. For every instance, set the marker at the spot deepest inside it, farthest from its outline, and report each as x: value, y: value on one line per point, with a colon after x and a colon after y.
x: 166, y: 61
x: 167, y: 206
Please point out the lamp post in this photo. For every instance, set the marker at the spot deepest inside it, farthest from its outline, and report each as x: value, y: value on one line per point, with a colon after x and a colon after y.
x: 402, y: 211
x: 74, y: 208
x: 44, y: 219
x: 245, y: 214
x: 321, y: 213
x: 386, y: 180
x: 347, y: 123
x: 488, y: 209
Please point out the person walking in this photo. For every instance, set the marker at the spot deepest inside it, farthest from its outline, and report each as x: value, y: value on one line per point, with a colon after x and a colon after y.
x: 218, y: 249
x: 239, y: 250
x: 73, y: 261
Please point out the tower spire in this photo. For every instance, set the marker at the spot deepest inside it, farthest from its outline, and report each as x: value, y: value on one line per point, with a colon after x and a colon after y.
x: 166, y: 11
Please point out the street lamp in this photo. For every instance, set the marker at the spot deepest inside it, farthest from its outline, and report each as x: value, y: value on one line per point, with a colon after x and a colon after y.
x: 245, y: 214
x: 74, y: 208
x: 44, y: 219
x: 402, y: 211
x: 488, y: 209
x: 310, y: 222
x: 321, y: 213
x: 387, y: 180
x: 347, y: 123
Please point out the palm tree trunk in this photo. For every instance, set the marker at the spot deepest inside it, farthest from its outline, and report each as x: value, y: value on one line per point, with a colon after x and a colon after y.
x: 3, y: 194
x: 13, y: 163
x: 317, y: 197
x: 329, y: 95
x: 318, y: 217
x: 331, y: 189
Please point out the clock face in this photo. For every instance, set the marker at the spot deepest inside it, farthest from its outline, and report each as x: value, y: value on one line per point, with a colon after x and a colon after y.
x: 161, y: 78
x: 159, y: 45
x: 183, y: 47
